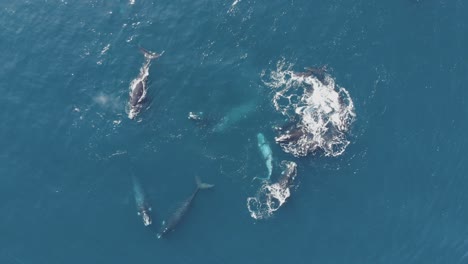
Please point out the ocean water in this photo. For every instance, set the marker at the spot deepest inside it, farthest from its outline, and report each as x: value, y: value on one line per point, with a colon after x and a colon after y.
x: 397, y: 193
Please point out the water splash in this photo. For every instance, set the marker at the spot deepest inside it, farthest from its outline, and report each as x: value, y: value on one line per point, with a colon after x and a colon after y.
x: 320, y: 110
x: 271, y: 196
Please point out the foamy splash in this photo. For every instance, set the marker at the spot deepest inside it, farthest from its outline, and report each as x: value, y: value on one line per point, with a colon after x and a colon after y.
x: 321, y: 111
x: 270, y: 197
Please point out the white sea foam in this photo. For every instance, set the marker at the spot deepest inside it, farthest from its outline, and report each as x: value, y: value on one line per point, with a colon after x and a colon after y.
x: 321, y: 110
x: 233, y: 6
x: 271, y: 196
x: 105, y: 49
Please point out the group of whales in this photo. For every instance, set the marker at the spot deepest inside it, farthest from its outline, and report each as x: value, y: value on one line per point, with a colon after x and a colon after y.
x: 137, y: 95
x: 144, y: 207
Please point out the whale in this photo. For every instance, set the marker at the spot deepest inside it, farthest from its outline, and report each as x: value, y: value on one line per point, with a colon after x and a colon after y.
x: 290, y: 135
x: 288, y: 174
x: 267, y: 155
x: 179, y: 214
x: 138, y: 86
x: 234, y: 116
x: 297, y: 135
x: 142, y: 205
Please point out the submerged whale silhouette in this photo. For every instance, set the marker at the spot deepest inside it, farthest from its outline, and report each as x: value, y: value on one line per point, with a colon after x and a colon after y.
x: 317, y: 72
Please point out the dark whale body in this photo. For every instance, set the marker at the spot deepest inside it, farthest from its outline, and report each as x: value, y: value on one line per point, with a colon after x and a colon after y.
x: 317, y: 72
x: 138, y: 87
x: 137, y: 92
x: 288, y: 174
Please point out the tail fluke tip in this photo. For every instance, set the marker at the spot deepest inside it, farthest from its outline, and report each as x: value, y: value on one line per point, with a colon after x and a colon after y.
x: 149, y: 54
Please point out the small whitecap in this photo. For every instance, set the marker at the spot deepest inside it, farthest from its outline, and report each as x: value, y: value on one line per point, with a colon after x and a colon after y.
x: 105, y: 49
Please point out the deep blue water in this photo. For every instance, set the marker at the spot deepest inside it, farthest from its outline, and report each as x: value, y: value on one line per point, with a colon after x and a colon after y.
x: 398, y: 194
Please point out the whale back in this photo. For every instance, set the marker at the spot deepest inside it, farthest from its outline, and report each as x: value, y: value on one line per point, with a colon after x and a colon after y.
x: 137, y: 93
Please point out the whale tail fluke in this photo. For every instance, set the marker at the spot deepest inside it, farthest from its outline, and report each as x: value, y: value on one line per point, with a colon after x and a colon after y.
x: 149, y: 54
x: 201, y: 185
